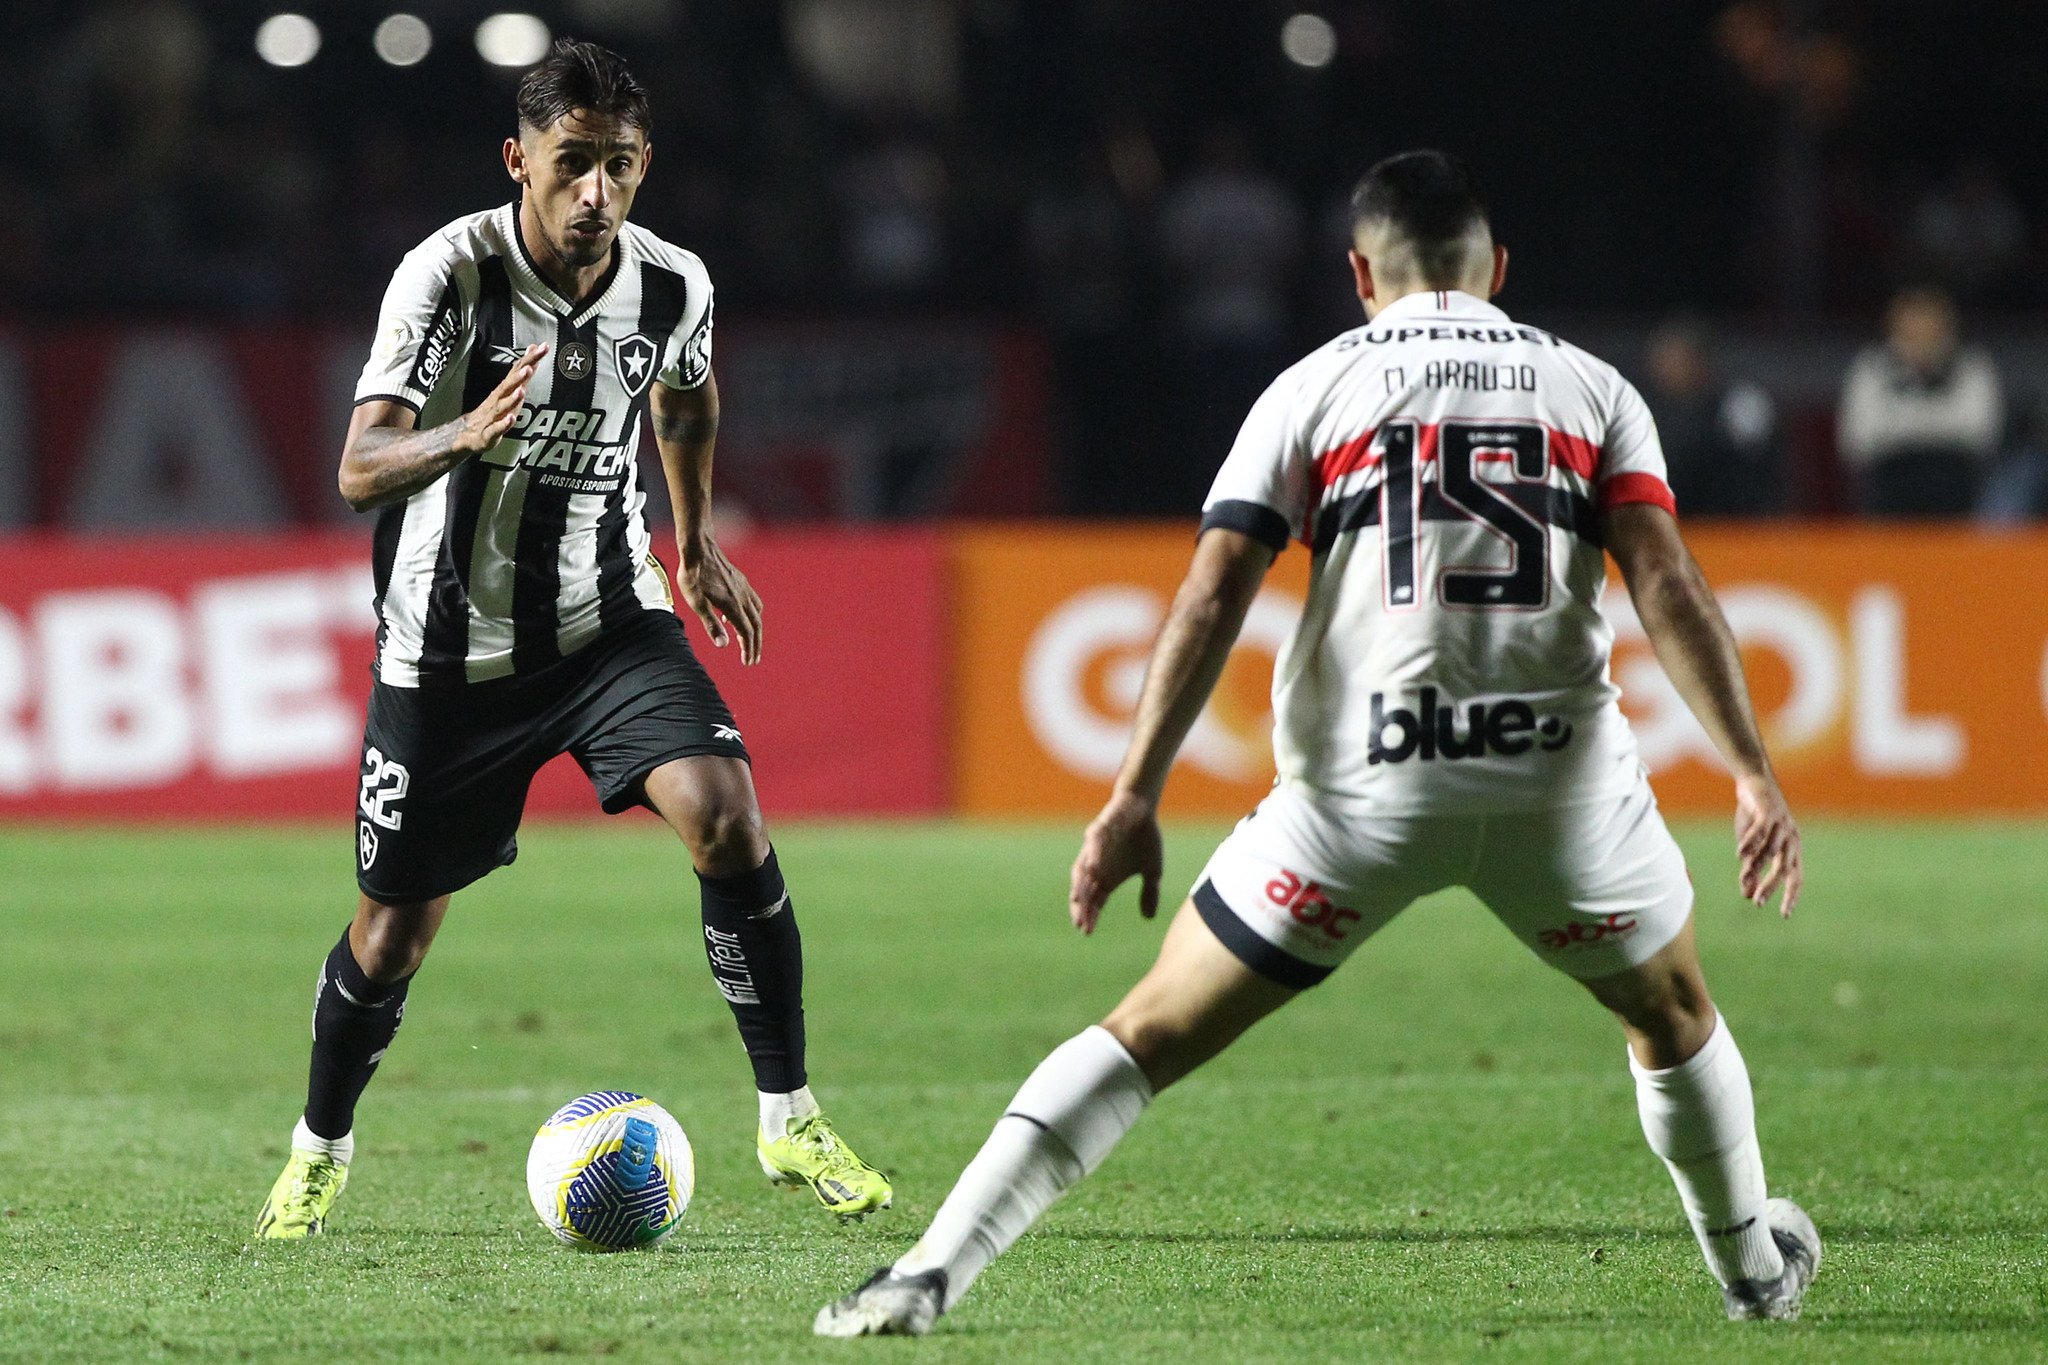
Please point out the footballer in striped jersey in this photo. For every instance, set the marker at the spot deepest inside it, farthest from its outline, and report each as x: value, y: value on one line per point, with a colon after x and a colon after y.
x: 523, y: 615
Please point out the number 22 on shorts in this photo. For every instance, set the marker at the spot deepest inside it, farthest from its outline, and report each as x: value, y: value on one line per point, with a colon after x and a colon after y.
x: 384, y: 785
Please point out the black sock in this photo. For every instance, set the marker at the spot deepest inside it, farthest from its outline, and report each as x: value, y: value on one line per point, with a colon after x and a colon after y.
x: 757, y: 959
x: 354, y: 1021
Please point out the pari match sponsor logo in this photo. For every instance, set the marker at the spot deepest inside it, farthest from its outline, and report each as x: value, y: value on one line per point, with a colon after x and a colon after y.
x: 563, y: 448
x: 1430, y: 732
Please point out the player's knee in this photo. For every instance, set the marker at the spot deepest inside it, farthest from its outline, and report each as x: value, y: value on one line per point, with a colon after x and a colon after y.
x: 1668, y: 1025
x: 393, y: 940
x: 1160, y: 1043
x: 725, y: 837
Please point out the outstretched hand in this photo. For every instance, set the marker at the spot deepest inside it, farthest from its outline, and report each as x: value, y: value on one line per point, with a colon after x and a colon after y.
x: 723, y: 599
x: 1122, y: 842
x: 1767, y: 843
x: 484, y: 424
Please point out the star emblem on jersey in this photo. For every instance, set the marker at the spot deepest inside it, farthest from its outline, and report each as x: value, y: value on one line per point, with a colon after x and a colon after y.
x: 574, y: 361
x: 366, y: 844
x: 636, y: 356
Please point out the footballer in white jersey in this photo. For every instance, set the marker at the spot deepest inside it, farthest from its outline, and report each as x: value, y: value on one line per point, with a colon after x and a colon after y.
x: 1444, y: 717
x: 1446, y: 466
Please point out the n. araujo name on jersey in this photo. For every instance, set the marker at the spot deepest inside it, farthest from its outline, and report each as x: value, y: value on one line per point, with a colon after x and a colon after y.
x: 525, y: 553
x: 1447, y: 466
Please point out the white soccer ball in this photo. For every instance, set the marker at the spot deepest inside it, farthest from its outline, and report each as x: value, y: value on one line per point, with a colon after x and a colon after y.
x: 610, y: 1171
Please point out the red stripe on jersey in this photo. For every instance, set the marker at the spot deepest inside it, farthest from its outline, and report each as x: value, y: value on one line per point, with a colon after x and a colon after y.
x: 1625, y: 488
x: 1576, y: 453
x: 1334, y: 463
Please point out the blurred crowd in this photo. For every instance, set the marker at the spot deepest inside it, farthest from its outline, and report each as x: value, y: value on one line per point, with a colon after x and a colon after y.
x: 1925, y: 425
x: 1158, y: 190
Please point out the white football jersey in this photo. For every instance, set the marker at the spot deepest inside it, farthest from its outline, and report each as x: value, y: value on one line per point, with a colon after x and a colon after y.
x: 1446, y: 466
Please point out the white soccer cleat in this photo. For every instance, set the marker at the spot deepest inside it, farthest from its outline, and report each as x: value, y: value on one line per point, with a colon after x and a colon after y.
x: 888, y: 1305
x: 1780, y: 1299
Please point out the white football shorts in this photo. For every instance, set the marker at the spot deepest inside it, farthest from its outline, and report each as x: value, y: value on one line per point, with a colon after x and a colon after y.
x: 1592, y: 888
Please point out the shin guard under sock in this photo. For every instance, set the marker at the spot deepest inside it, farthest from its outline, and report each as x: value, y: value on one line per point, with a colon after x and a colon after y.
x: 1700, y: 1117
x: 757, y: 959
x: 1063, y: 1123
x: 354, y: 1021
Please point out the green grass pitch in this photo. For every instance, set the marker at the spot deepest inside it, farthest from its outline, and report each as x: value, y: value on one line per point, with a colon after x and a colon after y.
x: 1432, y: 1157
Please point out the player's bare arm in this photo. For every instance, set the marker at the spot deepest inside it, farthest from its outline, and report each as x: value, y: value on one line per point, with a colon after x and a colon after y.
x: 1698, y: 652
x: 386, y: 460
x: 685, y: 430
x: 1187, y: 659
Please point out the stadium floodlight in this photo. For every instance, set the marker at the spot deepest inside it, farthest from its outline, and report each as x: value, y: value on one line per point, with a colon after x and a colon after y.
x: 512, y: 39
x: 403, y: 39
x: 1309, y: 40
x: 287, y: 40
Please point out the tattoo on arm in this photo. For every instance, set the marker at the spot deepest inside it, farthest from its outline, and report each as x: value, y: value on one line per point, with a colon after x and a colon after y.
x: 685, y: 428
x: 387, y: 464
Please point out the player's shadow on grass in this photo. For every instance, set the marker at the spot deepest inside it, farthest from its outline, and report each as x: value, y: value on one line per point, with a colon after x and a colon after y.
x: 1538, y: 1232
x: 2019, y: 1229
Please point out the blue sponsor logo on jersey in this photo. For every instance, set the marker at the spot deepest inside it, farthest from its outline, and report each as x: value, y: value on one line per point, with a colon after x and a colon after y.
x: 1429, y: 732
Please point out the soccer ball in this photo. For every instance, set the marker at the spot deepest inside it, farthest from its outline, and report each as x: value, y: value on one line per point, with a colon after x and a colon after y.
x: 609, y: 1171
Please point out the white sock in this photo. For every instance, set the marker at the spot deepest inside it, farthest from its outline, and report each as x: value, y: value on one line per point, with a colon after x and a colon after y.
x: 342, y: 1149
x: 1065, y: 1120
x: 1700, y: 1117
x: 778, y: 1110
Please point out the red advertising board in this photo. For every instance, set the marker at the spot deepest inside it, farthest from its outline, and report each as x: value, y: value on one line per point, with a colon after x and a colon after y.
x: 225, y: 677
x: 846, y: 712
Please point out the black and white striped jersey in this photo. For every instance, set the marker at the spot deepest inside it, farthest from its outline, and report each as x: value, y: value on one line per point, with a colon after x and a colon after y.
x: 526, y: 552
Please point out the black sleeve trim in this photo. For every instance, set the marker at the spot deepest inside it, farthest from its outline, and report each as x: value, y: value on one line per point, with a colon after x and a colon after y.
x: 1254, y: 519
x: 1281, y: 968
x: 398, y: 398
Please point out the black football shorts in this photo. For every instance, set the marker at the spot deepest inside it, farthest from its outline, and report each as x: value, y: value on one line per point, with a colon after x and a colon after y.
x: 445, y: 769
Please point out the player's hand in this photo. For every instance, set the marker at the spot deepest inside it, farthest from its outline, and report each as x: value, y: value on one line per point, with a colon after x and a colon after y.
x: 1767, y: 843
x: 1122, y: 842
x: 484, y: 424
x: 722, y: 598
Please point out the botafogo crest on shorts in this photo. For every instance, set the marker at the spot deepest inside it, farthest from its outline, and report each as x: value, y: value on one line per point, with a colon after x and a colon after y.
x: 1447, y: 686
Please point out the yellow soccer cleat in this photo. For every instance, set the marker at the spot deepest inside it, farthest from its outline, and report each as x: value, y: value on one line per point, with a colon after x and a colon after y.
x: 303, y: 1196
x: 812, y: 1154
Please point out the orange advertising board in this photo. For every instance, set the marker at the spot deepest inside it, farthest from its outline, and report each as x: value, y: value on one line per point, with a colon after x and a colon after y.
x: 1052, y: 629
x: 1896, y: 670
